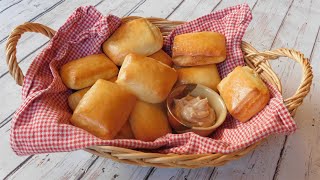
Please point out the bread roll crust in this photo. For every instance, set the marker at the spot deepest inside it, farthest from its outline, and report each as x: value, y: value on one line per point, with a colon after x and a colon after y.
x: 206, y: 75
x: 137, y: 36
x: 244, y: 93
x: 151, y: 81
x: 125, y: 132
x: 84, y: 72
x: 74, y: 98
x: 162, y: 57
x: 104, y: 109
x: 196, y: 60
x: 198, y: 48
x: 149, y: 121
x: 113, y: 79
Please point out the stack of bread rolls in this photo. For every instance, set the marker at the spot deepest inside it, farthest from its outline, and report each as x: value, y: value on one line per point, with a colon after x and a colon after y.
x: 126, y: 103
x: 119, y: 94
x: 196, y: 55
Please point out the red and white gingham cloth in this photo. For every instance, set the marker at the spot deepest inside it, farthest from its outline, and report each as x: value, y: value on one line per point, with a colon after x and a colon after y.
x: 41, y: 124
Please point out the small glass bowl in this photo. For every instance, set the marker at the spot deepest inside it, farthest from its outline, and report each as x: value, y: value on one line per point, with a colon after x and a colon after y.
x: 214, y: 99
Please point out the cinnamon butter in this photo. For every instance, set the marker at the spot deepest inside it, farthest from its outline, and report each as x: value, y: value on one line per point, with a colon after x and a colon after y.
x: 194, y: 111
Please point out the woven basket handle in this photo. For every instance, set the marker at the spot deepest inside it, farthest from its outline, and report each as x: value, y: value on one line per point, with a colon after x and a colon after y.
x: 295, y: 100
x: 11, y: 45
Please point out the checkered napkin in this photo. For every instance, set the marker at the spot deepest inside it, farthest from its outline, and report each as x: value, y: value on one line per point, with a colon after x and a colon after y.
x: 41, y: 124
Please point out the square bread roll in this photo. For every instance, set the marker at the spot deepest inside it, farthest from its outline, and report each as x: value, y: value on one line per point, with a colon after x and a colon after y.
x: 104, y: 109
x: 200, y: 48
x: 162, y: 57
x: 149, y: 121
x: 137, y: 36
x: 151, y: 81
x: 244, y: 93
x: 125, y: 132
x: 84, y: 72
x: 206, y: 75
x: 74, y: 98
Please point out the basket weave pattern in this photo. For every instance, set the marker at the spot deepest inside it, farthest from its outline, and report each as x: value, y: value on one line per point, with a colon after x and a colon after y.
x: 253, y: 58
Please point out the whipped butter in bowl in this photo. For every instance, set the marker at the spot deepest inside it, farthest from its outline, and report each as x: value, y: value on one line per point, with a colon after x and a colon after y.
x: 195, y: 108
x: 194, y: 111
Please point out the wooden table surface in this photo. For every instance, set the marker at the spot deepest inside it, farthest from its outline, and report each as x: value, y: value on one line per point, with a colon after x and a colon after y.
x: 275, y: 24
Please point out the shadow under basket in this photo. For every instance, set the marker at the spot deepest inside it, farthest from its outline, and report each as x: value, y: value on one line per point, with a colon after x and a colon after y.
x: 253, y: 58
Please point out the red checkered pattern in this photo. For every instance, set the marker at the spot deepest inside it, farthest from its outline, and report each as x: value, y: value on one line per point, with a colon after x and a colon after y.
x: 41, y: 124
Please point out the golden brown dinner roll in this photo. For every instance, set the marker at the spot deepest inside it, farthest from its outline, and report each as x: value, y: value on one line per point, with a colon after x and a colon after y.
x: 148, y: 121
x: 150, y: 80
x: 244, y: 93
x: 137, y: 36
x: 74, y: 98
x: 104, y: 109
x: 113, y: 79
x: 162, y: 57
x: 125, y: 132
x: 200, y: 48
x: 206, y: 75
x: 84, y: 72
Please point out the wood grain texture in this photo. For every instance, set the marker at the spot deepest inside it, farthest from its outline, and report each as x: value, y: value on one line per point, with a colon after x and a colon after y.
x: 192, y: 9
x: 30, y: 42
x: 8, y: 158
x: 67, y: 165
x: 27, y: 10
x: 160, y: 9
x: 226, y: 4
x: 107, y: 169
x: 181, y: 174
x: 6, y: 5
x: 303, y: 147
x: 301, y: 31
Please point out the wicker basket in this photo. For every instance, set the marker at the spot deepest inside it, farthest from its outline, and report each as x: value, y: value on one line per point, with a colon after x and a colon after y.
x: 257, y: 60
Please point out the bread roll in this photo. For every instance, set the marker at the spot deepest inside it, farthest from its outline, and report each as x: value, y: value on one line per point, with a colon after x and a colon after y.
x: 206, y: 75
x: 150, y: 80
x: 104, y: 109
x: 162, y: 57
x: 84, y: 72
x: 200, y: 48
x: 74, y: 98
x: 148, y: 121
x: 137, y: 36
x: 244, y: 93
x: 125, y: 132
x: 113, y: 79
